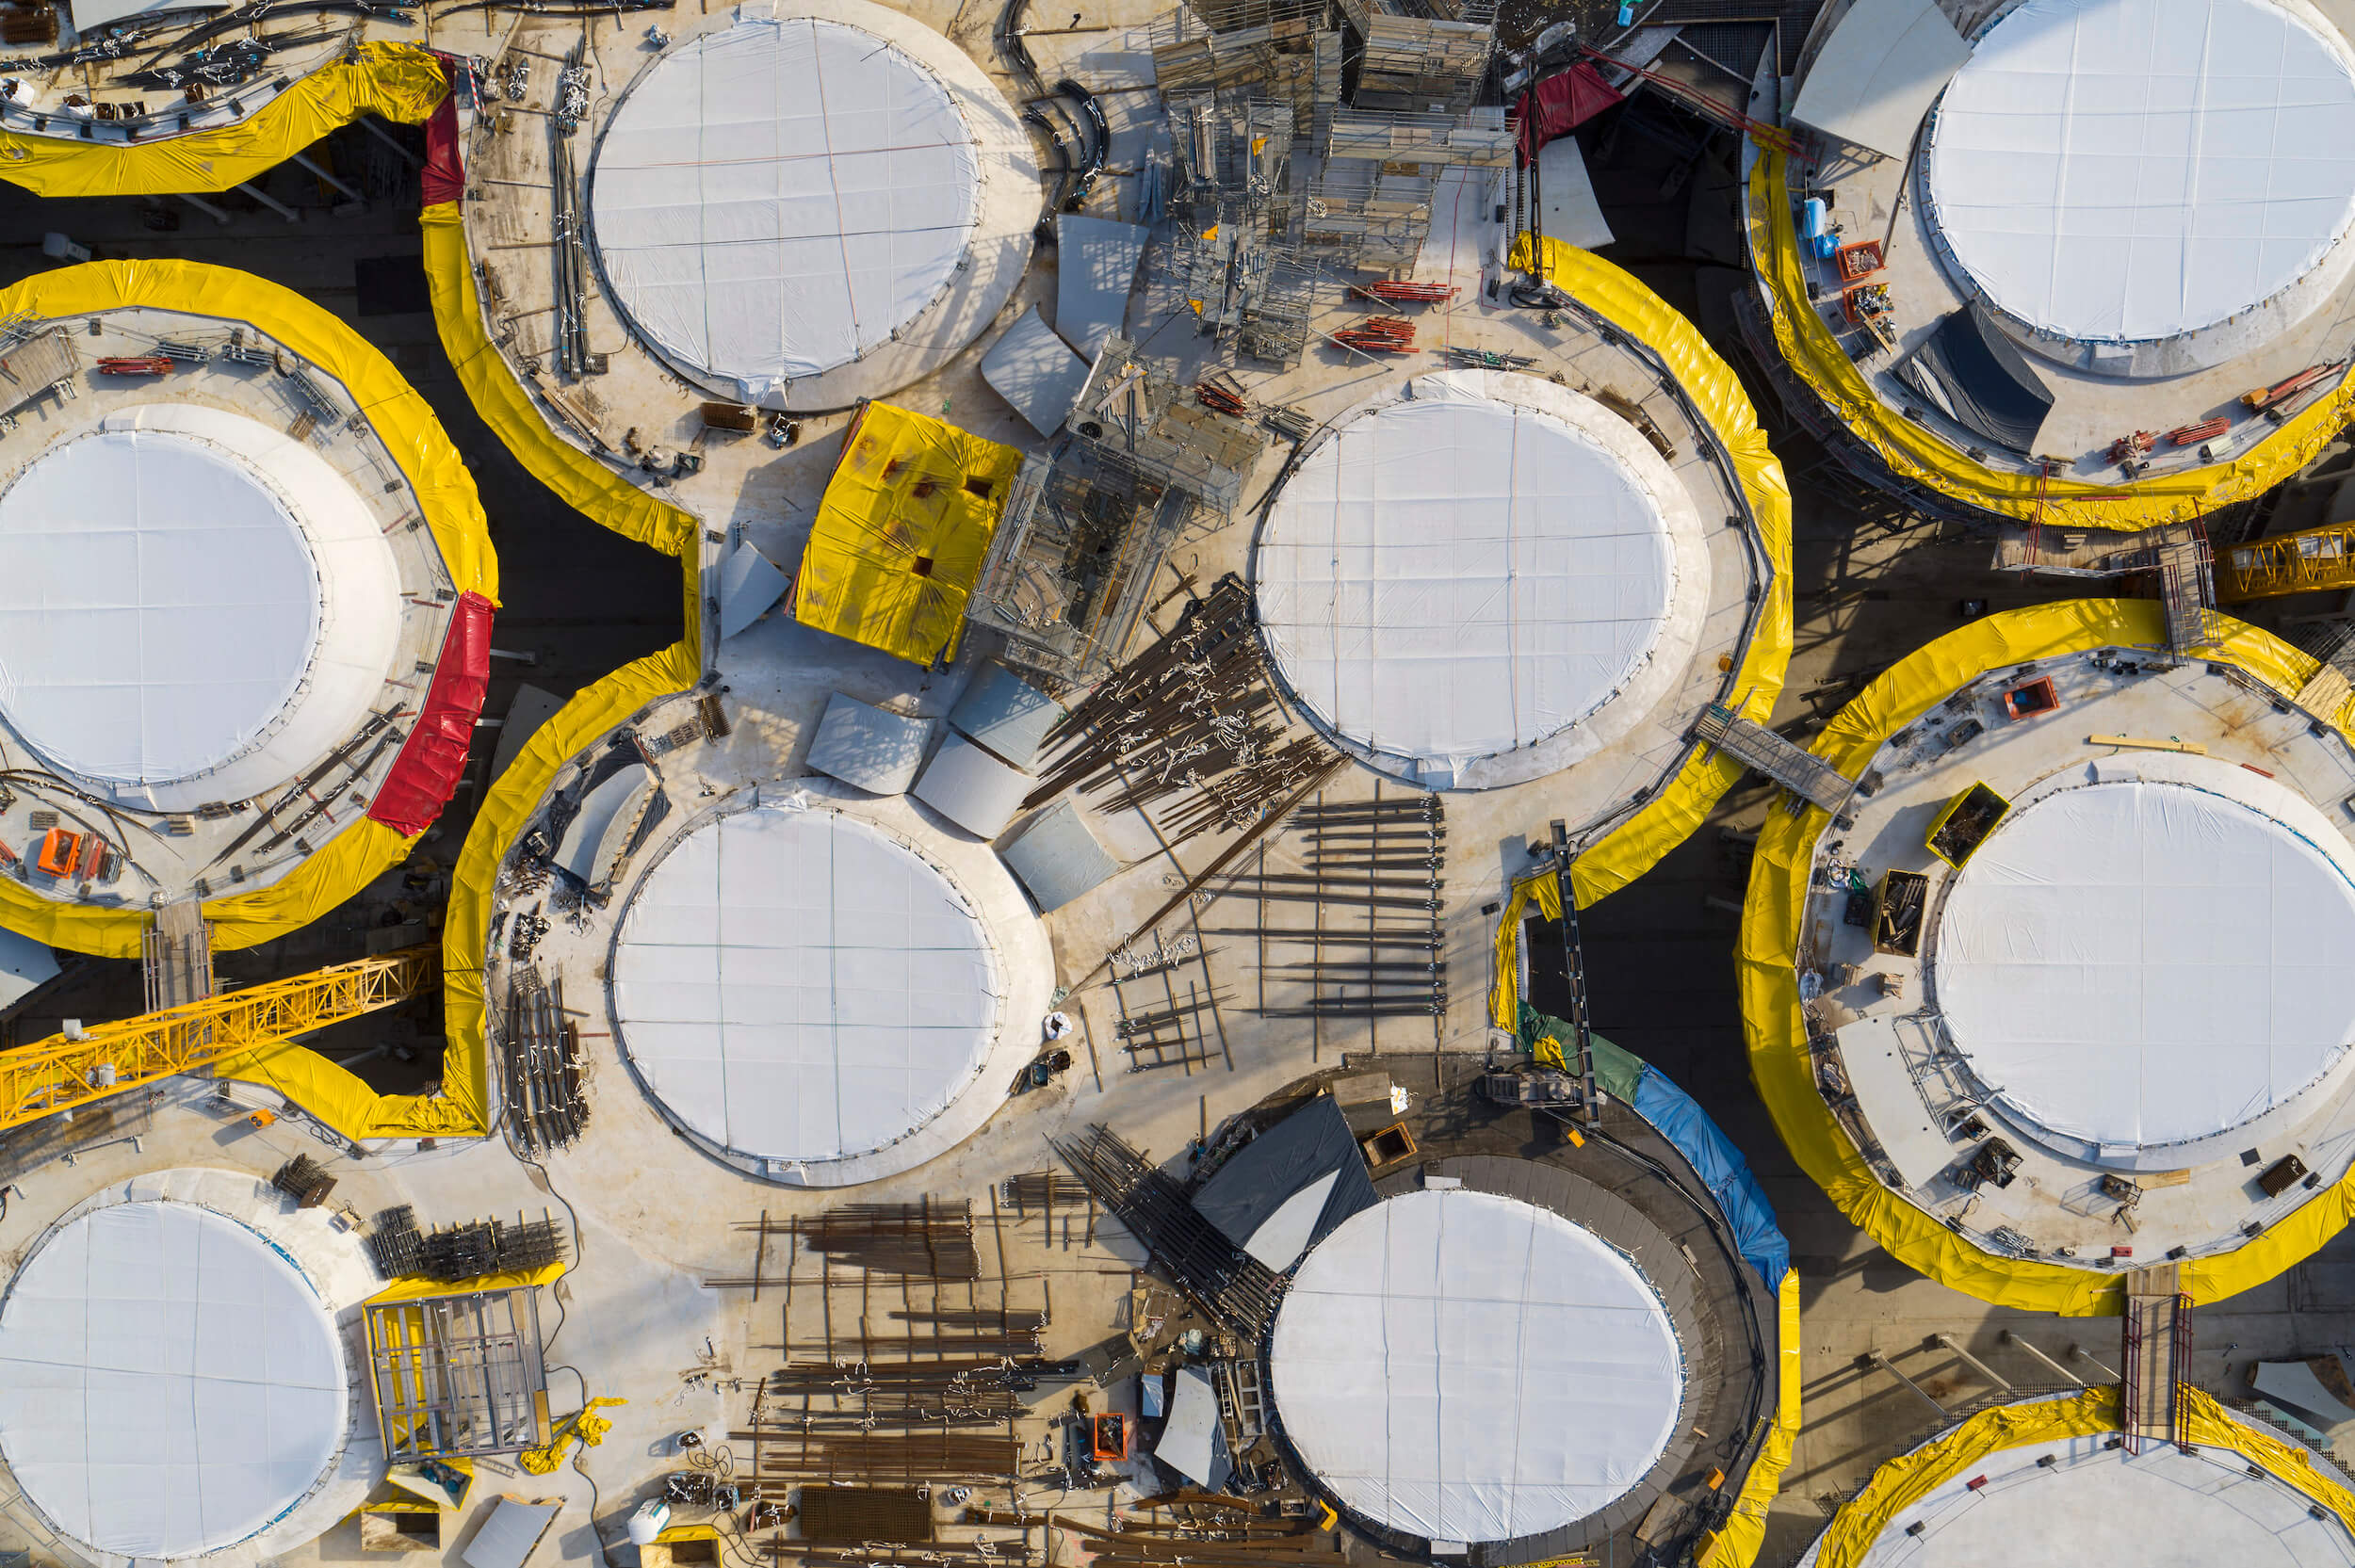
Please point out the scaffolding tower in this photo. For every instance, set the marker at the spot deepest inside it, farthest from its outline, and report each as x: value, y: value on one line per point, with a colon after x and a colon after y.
x: 1424, y: 56
x: 1237, y: 215
x: 1295, y: 61
x: 1370, y: 205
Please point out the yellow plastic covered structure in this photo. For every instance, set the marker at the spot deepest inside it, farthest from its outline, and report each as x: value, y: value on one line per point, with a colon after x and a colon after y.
x: 1666, y: 820
x: 901, y: 535
x: 606, y: 498
x: 395, y: 81
x: 1735, y: 1543
x: 444, y: 491
x: 1897, y: 1486
x: 1912, y: 452
x: 1766, y: 958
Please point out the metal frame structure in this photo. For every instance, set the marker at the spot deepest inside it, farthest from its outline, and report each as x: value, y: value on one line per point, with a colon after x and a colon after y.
x: 66, y: 1071
x: 1370, y: 205
x: 457, y: 1375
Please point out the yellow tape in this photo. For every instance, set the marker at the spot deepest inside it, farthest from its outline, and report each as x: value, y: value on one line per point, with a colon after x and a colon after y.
x: 1815, y: 356
x: 1735, y: 1543
x: 1670, y: 816
x: 606, y: 498
x: 396, y: 81
x: 445, y: 491
x: 412, y: 1287
x: 1904, y: 1481
x: 1767, y: 972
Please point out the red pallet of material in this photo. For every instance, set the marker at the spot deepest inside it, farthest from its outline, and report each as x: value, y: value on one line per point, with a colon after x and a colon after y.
x: 1211, y: 396
x: 2192, y: 435
x: 1397, y: 292
x: 2282, y: 391
x: 136, y: 364
x: 2127, y: 447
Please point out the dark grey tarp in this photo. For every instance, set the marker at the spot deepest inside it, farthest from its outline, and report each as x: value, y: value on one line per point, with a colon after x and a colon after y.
x: 1979, y: 379
x: 1305, y: 1147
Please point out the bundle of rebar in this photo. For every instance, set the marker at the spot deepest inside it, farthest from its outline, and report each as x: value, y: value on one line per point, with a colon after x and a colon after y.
x: 394, y: 1244
x: 897, y: 1456
x: 304, y: 1180
x: 929, y: 1237
x: 401, y: 1251
x: 1232, y: 1288
x: 541, y: 1063
x: 1191, y: 727
x: 1043, y: 1189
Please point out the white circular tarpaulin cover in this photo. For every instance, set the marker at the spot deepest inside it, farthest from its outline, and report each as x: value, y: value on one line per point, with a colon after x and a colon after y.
x: 159, y: 605
x: 2133, y: 170
x: 169, y: 1383
x: 797, y: 985
x: 1465, y: 1366
x: 2144, y: 961
x: 777, y: 198
x: 1450, y: 577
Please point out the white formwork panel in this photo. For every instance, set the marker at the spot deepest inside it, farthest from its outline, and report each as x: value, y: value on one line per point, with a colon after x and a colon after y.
x: 2133, y: 170
x: 797, y: 985
x: 181, y: 589
x: 776, y: 199
x: 2145, y: 962
x: 1465, y: 1366
x: 1451, y: 576
x: 169, y: 1383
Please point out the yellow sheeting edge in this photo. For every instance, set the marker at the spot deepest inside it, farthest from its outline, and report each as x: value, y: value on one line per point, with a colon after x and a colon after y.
x: 1904, y: 1481
x: 1815, y: 356
x: 604, y: 497
x: 1670, y: 816
x: 1735, y: 1543
x: 417, y: 1288
x: 1768, y: 975
x: 445, y: 491
x: 398, y: 81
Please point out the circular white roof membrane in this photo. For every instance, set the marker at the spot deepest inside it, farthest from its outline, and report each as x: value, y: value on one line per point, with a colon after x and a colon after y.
x: 779, y: 198
x: 797, y: 985
x: 1454, y: 575
x: 2143, y: 962
x: 159, y: 605
x: 169, y: 1383
x: 1463, y: 1366
x: 2133, y: 170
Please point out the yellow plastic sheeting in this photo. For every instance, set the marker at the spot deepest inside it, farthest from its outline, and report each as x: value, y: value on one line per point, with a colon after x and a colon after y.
x: 446, y: 493
x: 1735, y: 1543
x: 1670, y: 816
x: 607, y: 499
x: 1766, y: 957
x: 396, y: 81
x: 1504, y: 992
x: 899, y: 540
x: 1904, y: 1481
x: 414, y: 1287
x: 344, y: 1101
x: 1815, y: 356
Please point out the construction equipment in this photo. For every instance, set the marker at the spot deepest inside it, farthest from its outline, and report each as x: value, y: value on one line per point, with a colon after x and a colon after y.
x: 71, y: 1070
x: 1108, y: 1438
x: 584, y: 1423
x: 2267, y: 400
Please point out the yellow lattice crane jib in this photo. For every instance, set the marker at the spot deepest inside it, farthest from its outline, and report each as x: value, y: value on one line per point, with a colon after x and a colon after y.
x: 66, y: 1071
x: 2301, y: 563
x: 584, y: 1423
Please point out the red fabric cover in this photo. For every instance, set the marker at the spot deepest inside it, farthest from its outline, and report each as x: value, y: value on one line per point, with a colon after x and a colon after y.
x: 445, y: 169
x: 424, y: 775
x: 1562, y: 103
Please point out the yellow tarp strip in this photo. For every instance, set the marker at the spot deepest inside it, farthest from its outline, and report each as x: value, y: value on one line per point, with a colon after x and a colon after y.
x: 1735, y: 1543
x: 899, y: 540
x: 363, y: 849
x: 1904, y: 1481
x: 1815, y: 356
x: 1670, y: 816
x: 605, y: 497
x: 1768, y: 975
x: 417, y: 1288
x: 396, y: 81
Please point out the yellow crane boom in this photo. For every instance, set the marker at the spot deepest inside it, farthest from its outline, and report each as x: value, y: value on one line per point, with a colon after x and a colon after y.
x: 62, y: 1072
x: 2287, y: 563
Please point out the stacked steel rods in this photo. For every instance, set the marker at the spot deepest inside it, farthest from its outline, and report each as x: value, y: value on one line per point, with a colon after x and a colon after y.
x: 1190, y: 730
x: 1371, y: 874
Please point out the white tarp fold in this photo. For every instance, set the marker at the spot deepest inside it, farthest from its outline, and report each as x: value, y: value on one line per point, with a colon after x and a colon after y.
x: 1466, y: 1367
x: 1884, y: 65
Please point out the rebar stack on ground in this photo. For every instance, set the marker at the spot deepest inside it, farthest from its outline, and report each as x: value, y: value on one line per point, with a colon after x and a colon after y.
x: 396, y: 1246
x: 1233, y: 1288
x: 401, y: 1251
x: 1191, y: 728
x: 1375, y: 871
x: 1043, y: 1189
x: 540, y: 1064
x: 929, y: 1239
x: 902, y: 1456
x: 304, y: 1180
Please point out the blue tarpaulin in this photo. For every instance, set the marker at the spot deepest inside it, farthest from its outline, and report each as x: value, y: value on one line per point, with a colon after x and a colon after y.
x: 1722, y: 1170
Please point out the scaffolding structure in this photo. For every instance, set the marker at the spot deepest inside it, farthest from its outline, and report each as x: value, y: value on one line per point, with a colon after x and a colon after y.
x: 1296, y: 61
x: 1237, y: 212
x: 457, y: 1375
x: 1370, y: 205
x: 1428, y: 56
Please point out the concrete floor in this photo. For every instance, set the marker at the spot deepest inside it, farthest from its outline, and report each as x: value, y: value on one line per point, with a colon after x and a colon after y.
x: 636, y: 1316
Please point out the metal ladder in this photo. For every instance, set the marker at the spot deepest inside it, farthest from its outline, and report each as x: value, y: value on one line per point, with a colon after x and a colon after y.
x: 1801, y: 773
x: 2187, y: 588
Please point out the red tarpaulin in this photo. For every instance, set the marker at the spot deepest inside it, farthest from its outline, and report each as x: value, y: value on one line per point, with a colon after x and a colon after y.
x: 444, y: 171
x: 1562, y: 103
x: 424, y: 775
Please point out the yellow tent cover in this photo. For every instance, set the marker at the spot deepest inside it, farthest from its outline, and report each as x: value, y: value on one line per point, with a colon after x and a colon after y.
x: 902, y: 533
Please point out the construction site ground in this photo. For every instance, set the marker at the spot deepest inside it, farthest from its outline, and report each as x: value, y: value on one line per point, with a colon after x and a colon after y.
x: 636, y: 1316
